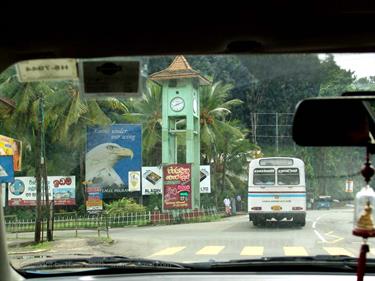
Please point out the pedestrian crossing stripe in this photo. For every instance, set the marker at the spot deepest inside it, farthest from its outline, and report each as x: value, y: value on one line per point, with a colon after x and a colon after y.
x: 295, y: 251
x: 169, y: 251
x: 337, y: 251
x: 252, y: 251
x: 210, y: 250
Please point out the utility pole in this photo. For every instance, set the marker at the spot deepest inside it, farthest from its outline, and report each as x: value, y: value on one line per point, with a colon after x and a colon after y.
x: 41, y: 177
x: 44, y: 167
x: 38, y: 218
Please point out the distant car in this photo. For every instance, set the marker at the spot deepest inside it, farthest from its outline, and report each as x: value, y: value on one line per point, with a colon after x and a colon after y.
x: 323, y: 202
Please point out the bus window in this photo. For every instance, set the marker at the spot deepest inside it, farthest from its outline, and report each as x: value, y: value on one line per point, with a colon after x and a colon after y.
x: 288, y: 176
x: 264, y: 176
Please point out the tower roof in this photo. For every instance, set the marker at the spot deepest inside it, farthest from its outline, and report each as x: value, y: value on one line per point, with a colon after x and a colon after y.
x: 179, y: 69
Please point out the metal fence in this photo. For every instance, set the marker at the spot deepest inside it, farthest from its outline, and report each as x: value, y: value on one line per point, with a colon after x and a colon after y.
x: 73, y: 221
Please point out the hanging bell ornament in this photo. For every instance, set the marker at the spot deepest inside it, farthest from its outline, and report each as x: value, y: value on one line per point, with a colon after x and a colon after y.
x: 363, y: 215
x: 364, y: 204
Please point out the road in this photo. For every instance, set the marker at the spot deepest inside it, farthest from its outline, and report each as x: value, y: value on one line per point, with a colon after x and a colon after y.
x: 326, y: 232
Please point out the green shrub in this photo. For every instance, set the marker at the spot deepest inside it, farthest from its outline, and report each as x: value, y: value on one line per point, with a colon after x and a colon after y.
x: 124, y: 205
x: 153, y: 201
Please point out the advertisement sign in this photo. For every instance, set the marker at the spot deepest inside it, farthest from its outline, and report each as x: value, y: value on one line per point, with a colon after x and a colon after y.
x: 152, y: 181
x: 17, y: 155
x: 113, y: 152
x: 134, y: 183
x: 6, y: 147
x: 61, y: 189
x: 6, y: 169
x: 94, y: 202
x: 349, y: 186
x: 205, y: 179
x: 177, y: 186
x: 9, y: 146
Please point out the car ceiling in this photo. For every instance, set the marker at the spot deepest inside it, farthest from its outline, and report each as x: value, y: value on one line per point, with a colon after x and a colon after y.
x: 269, y: 27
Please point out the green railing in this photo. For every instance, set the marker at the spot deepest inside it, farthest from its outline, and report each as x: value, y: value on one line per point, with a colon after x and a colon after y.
x: 72, y: 221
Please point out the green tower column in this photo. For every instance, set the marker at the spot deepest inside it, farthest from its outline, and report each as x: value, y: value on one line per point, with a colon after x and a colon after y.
x: 180, y: 96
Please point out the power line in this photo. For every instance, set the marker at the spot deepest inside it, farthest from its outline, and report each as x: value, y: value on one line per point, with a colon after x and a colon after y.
x: 268, y: 125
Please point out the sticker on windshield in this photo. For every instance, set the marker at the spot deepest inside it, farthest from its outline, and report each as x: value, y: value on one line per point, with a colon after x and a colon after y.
x: 47, y: 69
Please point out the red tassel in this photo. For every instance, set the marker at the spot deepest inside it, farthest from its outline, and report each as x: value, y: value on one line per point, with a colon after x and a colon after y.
x: 362, y: 262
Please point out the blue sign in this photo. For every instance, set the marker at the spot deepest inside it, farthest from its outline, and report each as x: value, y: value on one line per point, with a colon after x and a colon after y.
x: 6, y: 169
x: 112, y: 152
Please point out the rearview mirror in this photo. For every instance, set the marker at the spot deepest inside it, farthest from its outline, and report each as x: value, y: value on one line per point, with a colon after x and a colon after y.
x: 336, y: 121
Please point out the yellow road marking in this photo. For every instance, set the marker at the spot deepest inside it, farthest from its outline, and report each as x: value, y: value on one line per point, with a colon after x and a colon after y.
x: 295, y: 251
x: 336, y: 238
x: 169, y: 251
x: 210, y: 250
x: 337, y: 251
x: 252, y: 251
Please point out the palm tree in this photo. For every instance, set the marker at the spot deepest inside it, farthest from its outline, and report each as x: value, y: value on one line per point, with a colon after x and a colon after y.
x: 215, y: 108
x: 28, y: 120
x: 223, y: 142
x: 148, y: 112
x: 66, y: 116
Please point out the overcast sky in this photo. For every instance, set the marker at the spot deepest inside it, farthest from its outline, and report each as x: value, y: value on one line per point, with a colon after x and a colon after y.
x: 363, y: 65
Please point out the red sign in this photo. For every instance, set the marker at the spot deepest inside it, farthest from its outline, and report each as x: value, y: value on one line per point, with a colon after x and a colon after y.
x: 93, y: 189
x: 177, y: 186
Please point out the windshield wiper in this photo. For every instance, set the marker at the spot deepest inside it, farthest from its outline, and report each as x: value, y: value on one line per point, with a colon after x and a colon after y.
x: 323, y: 263
x: 105, y: 262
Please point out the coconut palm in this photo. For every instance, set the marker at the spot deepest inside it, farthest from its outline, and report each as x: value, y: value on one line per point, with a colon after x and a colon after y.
x: 148, y: 112
x: 65, y: 115
x: 215, y: 110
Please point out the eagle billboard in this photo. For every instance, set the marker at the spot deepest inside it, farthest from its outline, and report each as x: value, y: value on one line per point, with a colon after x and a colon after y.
x: 111, y: 153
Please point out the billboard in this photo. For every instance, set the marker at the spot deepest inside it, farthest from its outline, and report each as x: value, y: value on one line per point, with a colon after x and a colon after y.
x: 205, y: 179
x: 94, y: 202
x: 177, y: 186
x: 9, y: 146
x: 349, y: 186
x: 112, y: 153
x: 6, y: 147
x: 61, y: 189
x: 134, y: 179
x: 152, y: 181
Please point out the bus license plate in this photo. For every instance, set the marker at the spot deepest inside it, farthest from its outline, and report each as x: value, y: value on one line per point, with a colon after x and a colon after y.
x: 276, y: 208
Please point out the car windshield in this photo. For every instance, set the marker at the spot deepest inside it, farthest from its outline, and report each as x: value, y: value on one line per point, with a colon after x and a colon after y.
x: 176, y: 158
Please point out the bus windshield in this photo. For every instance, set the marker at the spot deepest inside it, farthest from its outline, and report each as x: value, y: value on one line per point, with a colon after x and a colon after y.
x: 288, y: 176
x: 264, y: 176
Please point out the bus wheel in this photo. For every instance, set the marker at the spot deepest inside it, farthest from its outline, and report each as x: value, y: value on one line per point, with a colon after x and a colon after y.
x: 300, y: 220
x: 257, y: 222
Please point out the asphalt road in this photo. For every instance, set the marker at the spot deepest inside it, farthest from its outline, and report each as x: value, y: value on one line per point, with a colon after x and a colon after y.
x: 326, y: 232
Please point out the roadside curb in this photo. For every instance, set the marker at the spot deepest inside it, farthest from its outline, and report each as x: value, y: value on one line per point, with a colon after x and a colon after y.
x: 28, y: 252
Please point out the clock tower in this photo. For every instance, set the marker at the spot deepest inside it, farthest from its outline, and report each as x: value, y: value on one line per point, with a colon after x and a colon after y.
x: 181, y: 118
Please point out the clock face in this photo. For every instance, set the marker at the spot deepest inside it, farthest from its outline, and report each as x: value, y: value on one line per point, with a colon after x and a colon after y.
x: 177, y: 104
x: 195, y: 105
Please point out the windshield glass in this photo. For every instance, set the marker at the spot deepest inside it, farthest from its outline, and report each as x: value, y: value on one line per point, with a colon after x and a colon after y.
x: 177, y: 158
x: 264, y: 176
x: 287, y: 176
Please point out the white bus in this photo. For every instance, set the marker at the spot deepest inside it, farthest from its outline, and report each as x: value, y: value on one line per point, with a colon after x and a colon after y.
x: 277, y: 190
